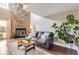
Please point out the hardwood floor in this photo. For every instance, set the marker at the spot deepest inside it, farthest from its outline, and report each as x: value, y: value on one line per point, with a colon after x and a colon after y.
x: 58, y: 50
x: 10, y: 48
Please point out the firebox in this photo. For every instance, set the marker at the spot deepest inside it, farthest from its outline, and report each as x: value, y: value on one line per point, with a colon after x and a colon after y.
x: 21, y: 32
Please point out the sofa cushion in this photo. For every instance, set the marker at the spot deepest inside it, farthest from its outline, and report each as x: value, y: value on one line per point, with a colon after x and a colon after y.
x: 29, y: 37
x: 46, y: 39
x: 39, y: 35
x: 51, y: 34
x: 43, y: 38
x: 46, y: 35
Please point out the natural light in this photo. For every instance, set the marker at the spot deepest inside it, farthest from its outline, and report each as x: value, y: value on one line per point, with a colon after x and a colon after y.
x: 4, y: 5
x: 3, y: 23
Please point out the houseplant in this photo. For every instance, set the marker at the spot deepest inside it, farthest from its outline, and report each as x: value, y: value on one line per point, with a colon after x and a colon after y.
x: 15, y: 35
x: 67, y: 30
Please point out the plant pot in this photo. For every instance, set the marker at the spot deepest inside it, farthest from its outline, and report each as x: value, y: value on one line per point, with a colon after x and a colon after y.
x: 71, y: 38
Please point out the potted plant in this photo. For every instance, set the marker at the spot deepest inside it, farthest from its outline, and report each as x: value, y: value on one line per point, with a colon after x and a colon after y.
x: 67, y: 30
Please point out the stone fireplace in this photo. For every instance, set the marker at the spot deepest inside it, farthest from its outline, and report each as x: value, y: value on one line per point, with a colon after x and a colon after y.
x: 20, y: 20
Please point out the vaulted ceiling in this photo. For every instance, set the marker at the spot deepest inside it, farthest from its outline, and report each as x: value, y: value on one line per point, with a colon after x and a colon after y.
x: 44, y: 9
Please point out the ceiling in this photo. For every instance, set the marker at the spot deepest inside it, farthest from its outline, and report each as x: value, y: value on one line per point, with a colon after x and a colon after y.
x: 45, y: 9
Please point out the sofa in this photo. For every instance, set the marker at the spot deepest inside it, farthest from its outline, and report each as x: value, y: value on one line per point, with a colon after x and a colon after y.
x: 44, y: 39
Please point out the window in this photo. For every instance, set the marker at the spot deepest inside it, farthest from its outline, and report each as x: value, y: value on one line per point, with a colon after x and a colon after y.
x: 4, y: 5
x: 3, y: 25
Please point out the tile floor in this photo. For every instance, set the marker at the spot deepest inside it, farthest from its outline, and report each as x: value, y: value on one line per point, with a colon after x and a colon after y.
x: 3, y: 48
x: 10, y: 48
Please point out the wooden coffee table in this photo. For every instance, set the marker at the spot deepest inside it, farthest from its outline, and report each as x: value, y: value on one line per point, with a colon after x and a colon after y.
x: 27, y: 44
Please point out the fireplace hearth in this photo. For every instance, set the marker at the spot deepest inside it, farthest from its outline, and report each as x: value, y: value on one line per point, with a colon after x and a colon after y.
x: 20, y: 32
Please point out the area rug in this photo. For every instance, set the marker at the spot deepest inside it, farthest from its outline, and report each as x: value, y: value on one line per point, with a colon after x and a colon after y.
x: 12, y: 46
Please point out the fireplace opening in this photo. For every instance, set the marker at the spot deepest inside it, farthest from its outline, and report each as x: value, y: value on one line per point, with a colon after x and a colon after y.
x: 21, y: 32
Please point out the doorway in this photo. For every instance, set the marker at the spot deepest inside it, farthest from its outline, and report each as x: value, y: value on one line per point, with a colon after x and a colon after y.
x: 3, y: 29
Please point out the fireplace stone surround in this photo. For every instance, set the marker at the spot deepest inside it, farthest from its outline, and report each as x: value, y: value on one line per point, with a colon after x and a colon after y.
x: 20, y: 20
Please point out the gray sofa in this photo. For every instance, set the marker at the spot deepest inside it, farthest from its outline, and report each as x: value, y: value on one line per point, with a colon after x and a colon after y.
x: 44, y: 39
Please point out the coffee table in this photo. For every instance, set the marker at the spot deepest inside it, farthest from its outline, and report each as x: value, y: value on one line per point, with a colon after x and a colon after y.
x: 27, y: 44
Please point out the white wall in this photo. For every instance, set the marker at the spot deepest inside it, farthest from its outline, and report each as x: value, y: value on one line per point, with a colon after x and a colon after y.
x: 4, y: 13
x: 42, y: 24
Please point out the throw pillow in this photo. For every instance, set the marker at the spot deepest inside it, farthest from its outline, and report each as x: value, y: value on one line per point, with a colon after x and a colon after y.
x: 43, y: 38
x: 39, y: 35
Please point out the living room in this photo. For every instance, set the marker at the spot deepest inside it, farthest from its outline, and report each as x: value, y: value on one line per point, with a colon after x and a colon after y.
x: 37, y: 22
